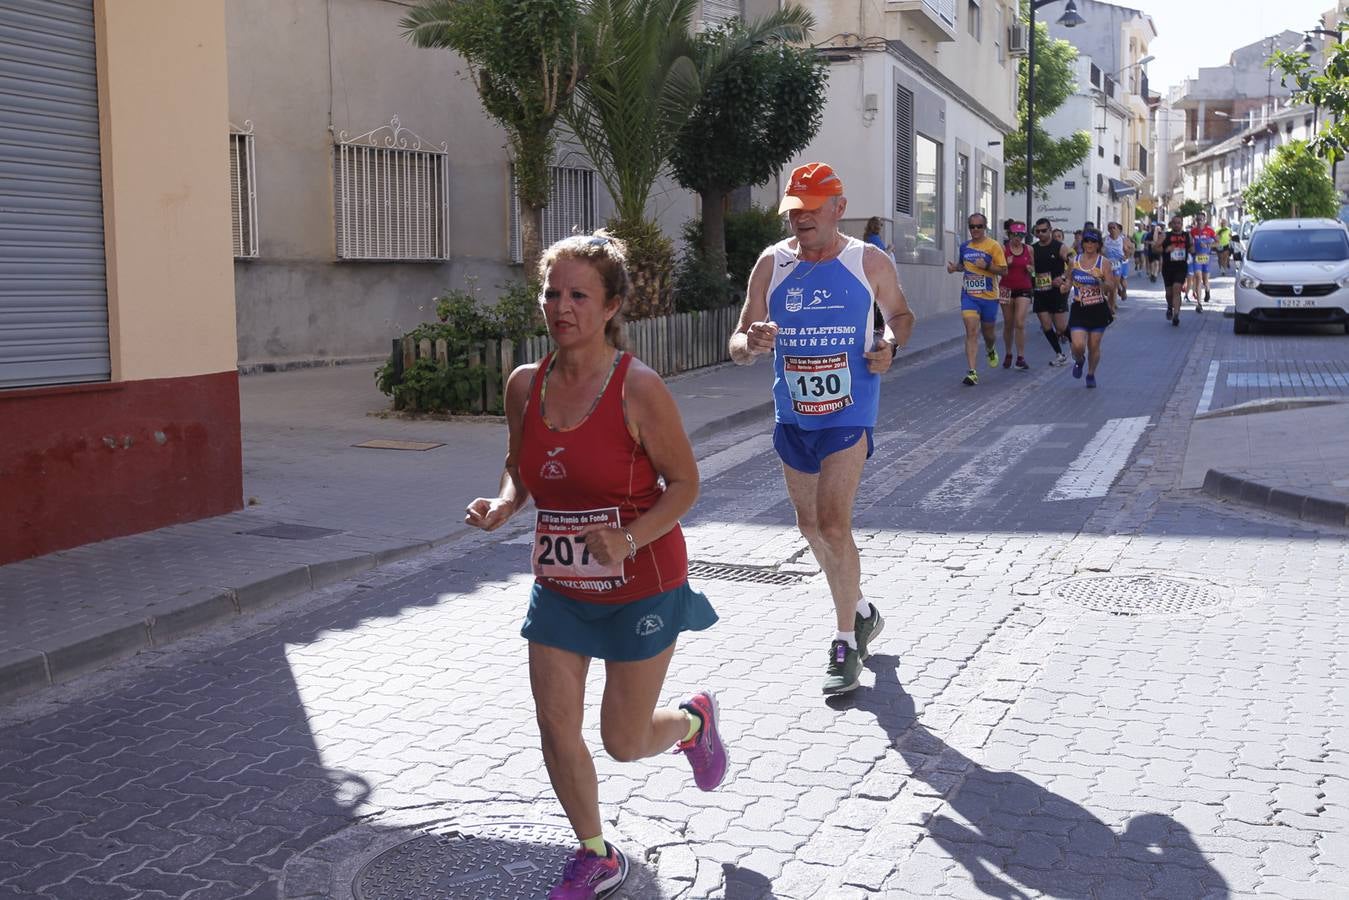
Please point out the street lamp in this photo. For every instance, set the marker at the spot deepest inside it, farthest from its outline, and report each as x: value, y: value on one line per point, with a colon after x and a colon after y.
x: 1070, y: 19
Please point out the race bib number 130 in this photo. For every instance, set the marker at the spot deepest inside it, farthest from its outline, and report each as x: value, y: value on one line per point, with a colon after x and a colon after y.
x: 560, y: 556
x: 819, y: 385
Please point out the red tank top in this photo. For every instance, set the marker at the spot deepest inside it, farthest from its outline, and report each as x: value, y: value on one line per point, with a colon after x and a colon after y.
x: 594, y: 472
x: 1018, y: 277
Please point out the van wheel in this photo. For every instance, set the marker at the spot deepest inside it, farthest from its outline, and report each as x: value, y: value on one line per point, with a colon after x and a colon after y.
x: 1241, y: 324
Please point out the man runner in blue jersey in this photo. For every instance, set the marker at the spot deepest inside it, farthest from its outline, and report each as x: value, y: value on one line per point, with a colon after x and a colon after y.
x: 809, y: 304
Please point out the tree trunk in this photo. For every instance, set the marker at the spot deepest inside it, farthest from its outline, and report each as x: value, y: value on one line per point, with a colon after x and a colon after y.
x: 714, y: 231
x: 531, y: 238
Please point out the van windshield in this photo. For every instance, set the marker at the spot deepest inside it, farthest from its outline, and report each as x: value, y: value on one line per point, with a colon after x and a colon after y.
x: 1300, y: 245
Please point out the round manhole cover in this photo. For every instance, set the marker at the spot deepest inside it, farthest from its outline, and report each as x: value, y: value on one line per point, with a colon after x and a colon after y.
x: 1142, y: 594
x: 493, y: 861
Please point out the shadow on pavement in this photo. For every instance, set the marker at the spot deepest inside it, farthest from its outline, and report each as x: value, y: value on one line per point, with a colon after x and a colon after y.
x: 1025, y: 840
x: 746, y: 884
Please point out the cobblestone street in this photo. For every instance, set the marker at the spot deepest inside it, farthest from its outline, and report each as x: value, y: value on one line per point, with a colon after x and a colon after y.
x: 1092, y: 683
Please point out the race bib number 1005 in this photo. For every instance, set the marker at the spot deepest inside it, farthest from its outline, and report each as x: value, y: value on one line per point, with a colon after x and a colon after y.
x: 819, y: 385
x: 560, y: 556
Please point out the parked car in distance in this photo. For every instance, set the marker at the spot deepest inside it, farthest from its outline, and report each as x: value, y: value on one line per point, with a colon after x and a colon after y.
x: 1295, y: 270
x: 1241, y: 232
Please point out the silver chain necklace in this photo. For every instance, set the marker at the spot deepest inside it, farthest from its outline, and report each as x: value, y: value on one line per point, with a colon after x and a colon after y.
x: 797, y: 275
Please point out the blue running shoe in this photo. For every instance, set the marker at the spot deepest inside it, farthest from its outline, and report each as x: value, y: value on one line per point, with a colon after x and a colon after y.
x: 1077, y: 367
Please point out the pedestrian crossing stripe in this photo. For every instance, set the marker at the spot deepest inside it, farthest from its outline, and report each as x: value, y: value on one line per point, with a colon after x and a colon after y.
x: 1103, y: 459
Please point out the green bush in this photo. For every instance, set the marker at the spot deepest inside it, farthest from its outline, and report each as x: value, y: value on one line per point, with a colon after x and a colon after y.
x: 696, y: 286
x: 747, y: 234
x: 464, y: 325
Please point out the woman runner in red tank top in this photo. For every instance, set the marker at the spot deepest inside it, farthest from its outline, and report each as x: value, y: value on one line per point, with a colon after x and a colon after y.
x: 593, y: 433
x: 1014, y: 292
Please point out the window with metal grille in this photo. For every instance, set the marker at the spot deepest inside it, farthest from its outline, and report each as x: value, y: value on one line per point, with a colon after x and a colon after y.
x: 904, y: 144
x: 988, y: 193
x: 716, y: 12
x: 570, y: 210
x: 390, y: 196
x: 243, y: 194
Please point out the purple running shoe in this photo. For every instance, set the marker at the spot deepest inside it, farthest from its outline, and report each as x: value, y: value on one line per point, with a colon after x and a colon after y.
x: 589, y: 876
x: 705, y: 752
x: 1077, y: 367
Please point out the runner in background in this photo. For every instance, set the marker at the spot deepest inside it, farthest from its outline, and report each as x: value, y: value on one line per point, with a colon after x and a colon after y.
x: 1051, y: 287
x: 1224, y: 248
x: 596, y: 439
x: 1093, y: 305
x: 1014, y: 294
x: 1138, y: 238
x: 1203, y: 237
x: 1173, y: 246
x: 1118, y: 249
x: 980, y: 263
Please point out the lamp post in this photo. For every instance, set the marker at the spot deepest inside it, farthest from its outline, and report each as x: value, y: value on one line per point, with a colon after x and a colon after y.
x: 1069, y: 19
x: 1307, y: 47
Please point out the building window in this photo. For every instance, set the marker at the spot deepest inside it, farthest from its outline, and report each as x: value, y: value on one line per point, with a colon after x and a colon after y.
x: 927, y: 192
x: 243, y: 193
x: 570, y: 210
x: 962, y: 187
x: 718, y: 12
x: 988, y: 193
x: 903, y: 151
x: 974, y: 20
x: 998, y: 35
x: 391, y: 196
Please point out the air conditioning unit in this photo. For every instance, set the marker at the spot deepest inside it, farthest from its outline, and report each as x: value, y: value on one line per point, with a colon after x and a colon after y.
x: 1018, y: 40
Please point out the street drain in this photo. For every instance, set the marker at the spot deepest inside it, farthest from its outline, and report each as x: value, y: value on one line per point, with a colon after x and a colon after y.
x: 495, y: 861
x: 1142, y: 594
x: 745, y: 574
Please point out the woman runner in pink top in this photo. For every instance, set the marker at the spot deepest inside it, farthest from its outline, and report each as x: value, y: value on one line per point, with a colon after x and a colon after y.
x: 1014, y: 293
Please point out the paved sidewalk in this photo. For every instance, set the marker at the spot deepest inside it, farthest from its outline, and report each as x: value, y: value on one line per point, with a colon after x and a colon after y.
x: 319, y: 512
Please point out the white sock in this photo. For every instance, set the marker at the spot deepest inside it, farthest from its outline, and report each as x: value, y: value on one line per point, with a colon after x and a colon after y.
x: 849, y: 636
x: 864, y: 608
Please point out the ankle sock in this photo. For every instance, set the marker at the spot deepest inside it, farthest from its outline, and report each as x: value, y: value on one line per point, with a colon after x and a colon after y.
x: 849, y: 636
x: 864, y: 608
x: 596, y: 845
x: 695, y: 725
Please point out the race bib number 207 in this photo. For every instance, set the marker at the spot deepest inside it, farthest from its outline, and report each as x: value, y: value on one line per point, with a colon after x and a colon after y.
x: 558, y: 553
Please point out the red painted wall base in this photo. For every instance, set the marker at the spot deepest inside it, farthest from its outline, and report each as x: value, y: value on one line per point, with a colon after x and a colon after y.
x: 89, y: 462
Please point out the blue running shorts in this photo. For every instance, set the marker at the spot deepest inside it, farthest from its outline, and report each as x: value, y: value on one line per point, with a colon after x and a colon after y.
x: 1122, y: 269
x: 986, y: 310
x: 621, y: 632
x: 804, y: 450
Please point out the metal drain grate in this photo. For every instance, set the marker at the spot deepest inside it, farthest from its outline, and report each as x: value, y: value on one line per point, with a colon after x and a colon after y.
x: 497, y: 861
x: 745, y: 574
x: 1142, y: 594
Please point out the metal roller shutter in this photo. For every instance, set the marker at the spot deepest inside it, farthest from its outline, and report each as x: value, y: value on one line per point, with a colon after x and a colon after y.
x: 53, y: 294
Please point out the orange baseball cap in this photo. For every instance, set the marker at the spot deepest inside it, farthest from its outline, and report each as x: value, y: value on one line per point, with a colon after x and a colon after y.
x: 810, y: 186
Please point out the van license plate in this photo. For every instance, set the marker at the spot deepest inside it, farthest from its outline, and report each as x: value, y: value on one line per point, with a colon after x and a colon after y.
x: 1296, y: 302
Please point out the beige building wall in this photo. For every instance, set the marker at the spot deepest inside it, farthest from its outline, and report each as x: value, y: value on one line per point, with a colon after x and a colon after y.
x: 163, y: 110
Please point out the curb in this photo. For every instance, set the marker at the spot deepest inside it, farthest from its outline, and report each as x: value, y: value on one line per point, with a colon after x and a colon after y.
x: 1307, y: 507
x: 82, y: 650
x: 1268, y: 404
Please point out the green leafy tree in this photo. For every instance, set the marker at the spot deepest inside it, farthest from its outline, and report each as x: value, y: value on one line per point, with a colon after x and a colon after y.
x: 1055, y: 82
x: 762, y: 103
x: 641, y: 85
x: 1327, y: 87
x: 523, y: 57
x: 1191, y: 208
x: 1295, y: 183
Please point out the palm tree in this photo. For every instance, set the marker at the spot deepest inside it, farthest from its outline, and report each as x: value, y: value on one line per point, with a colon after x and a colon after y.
x: 640, y: 87
x: 523, y: 57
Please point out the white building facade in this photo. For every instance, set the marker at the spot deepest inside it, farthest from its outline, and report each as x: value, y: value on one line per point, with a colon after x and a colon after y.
x: 921, y: 96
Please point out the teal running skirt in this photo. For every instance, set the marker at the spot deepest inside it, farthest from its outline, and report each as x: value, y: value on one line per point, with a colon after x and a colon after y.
x: 622, y: 632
